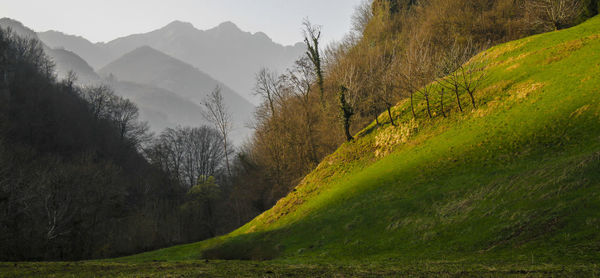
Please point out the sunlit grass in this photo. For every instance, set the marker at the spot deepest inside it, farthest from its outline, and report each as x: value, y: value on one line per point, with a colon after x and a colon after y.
x: 515, y: 180
x: 509, y: 188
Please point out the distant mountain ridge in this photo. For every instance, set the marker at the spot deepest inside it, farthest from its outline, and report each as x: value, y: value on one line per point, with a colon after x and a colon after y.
x: 225, y: 52
x: 146, y: 65
x: 167, y: 91
x: 64, y: 60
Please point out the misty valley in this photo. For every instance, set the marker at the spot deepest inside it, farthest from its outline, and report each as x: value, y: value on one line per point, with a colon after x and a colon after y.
x: 437, y: 138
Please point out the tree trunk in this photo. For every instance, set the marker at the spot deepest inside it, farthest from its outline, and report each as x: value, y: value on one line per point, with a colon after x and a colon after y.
x: 347, y: 112
x: 226, y: 155
x: 442, y: 103
x: 428, y: 107
x: 458, y: 98
x: 347, y: 129
x: 321, y: 85
x: 389, y: 110
x: 472, y: 99
x: 412, y: 106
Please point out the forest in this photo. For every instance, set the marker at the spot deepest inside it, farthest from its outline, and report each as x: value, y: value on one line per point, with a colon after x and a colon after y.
x: 81, y: 177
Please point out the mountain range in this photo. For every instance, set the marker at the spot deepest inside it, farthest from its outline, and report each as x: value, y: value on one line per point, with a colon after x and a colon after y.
x: 155, y: 69
x: 64, y: 60
x: 169, y: 71
x: 225, y: 52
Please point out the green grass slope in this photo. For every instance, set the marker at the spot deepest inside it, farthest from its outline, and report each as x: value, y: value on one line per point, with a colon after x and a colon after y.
x: 515, y: 181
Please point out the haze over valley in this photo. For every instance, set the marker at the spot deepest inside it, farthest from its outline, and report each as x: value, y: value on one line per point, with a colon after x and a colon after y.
x: 150, y: 70
x: 383, y: 138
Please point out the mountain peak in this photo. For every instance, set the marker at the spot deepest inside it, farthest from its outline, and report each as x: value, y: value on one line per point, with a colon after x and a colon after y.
x: 17, y: 27
x: 179, y: 25
x: 146, y: 51
x: 228, y: 26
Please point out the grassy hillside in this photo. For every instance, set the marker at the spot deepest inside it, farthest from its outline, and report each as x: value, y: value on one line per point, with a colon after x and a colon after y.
x: 515, y: 180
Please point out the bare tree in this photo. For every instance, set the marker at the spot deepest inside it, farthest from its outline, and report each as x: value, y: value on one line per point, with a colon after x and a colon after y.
x: 348, y: 95
x: 472, y: 75
x: 452, y: 60
x: 216, y: 112
x: 70, y: 80
x: 190, y: 155
x: 553, y: 14
x: 300, y: 78
x: 125, y: 116
x: 312, y: 36
x: 442, y: 93
x: 268, y: 86
x: 99, y: 100
x: 383, y: 66
x: 418, y: 72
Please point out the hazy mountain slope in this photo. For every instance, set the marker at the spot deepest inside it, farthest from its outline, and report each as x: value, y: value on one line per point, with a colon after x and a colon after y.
x: 514, y: 181
x: 64, y: 60
x: 94, y: 54
x: 225, y: 52
x: 17, y: 27
x: 159, y: 107
x: 145, y: 65
x: 167, y: 91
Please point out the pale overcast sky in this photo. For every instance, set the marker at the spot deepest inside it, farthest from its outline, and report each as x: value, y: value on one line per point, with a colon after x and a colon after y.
x: 104, y: 20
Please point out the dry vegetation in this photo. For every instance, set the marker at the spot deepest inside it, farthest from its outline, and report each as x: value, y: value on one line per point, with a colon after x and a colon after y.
x: 399, y: 50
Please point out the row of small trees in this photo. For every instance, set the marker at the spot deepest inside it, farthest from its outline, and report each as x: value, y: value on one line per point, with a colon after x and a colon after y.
x: 399, y: 56
x: 418, y: 51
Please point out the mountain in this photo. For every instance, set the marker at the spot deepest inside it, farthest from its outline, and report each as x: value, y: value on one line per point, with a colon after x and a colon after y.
x: 18, y: 28
x: 514, y: 181
x: 94, y: 54
x: 224, y: 52
x: 159, y: 107
x: 146, y: 65
x: 168, y: 92
x: 64, y: 60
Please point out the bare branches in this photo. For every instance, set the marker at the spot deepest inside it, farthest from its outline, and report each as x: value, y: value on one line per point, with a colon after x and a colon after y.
x: 418, y: 71
x: 190, y: 155
x: 121, y: 112
x: 312, y: 36
x: 454, y: 67
x: 301, y: 78
x: 216, y: 112
x: 472, y: 76
x: 553, y: 14
x: 268, y: 86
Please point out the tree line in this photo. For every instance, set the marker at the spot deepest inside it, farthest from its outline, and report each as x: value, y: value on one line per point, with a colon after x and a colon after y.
x: 399, y: 50
x: 82, y: 177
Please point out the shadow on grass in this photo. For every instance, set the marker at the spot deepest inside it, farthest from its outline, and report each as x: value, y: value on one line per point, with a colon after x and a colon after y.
x: 255, y: 247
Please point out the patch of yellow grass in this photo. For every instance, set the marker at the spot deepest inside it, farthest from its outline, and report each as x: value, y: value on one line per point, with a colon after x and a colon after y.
x: 580, y: 111
x: 515, y: 66
x: 508, y: 61
x: 392, y: 136
x: 566, y: 49
x: 498, y: 51
x: 524, y: 90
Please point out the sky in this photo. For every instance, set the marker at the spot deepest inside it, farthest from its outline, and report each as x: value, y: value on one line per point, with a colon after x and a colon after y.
x: 105, y: 20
